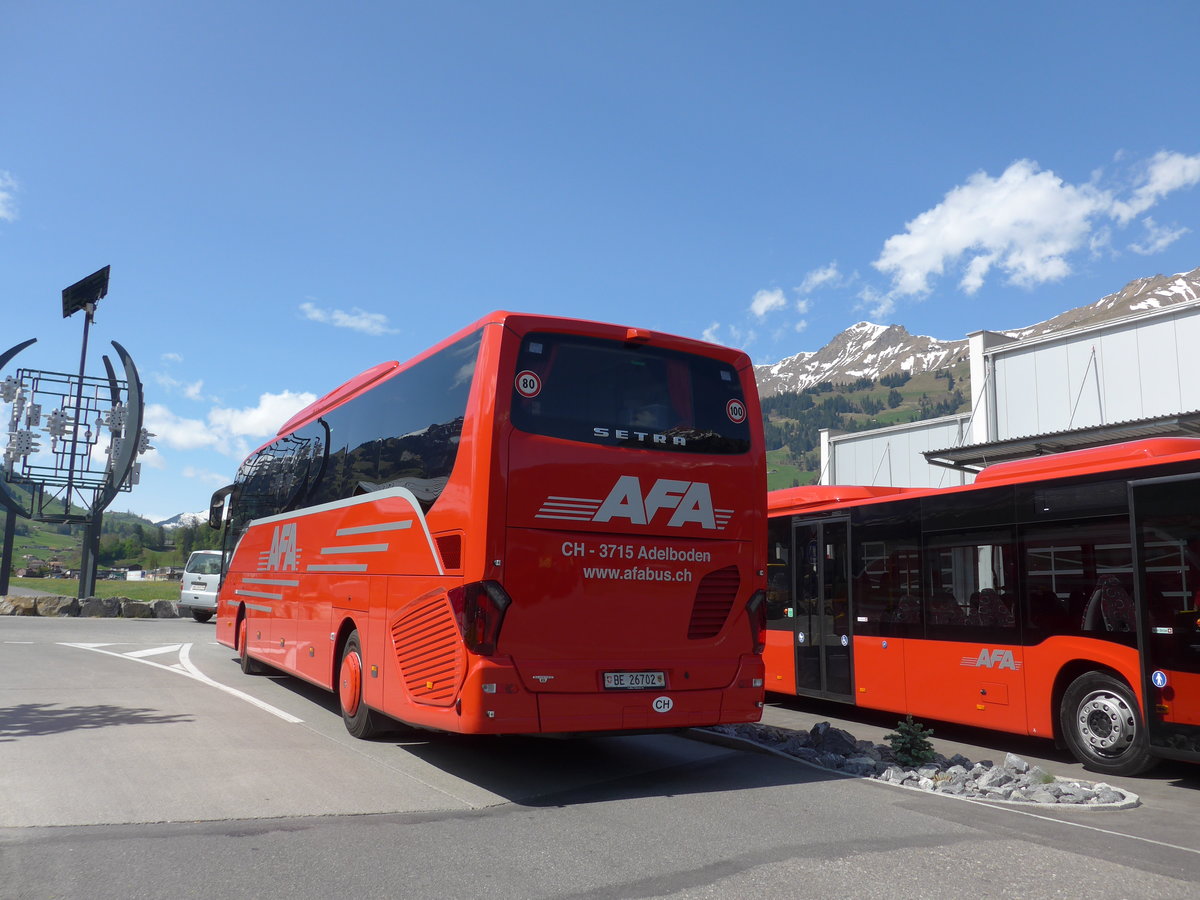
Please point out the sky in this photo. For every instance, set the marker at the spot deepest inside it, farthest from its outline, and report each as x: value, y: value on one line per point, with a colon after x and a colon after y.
x: 291, y: 192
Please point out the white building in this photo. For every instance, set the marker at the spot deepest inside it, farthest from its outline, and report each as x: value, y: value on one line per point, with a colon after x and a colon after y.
x: 1128, y: 378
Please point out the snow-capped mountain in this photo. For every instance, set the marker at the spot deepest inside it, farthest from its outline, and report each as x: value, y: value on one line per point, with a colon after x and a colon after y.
x: 177, y: 521
x: 865, y: 350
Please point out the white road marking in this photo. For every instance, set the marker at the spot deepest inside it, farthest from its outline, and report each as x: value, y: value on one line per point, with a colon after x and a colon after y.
x: 188, y: 669
x: 153, y: 651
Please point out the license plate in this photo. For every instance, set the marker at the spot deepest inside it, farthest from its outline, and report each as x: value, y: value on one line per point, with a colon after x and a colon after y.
x: 634, y: 681
x: 197, y: 585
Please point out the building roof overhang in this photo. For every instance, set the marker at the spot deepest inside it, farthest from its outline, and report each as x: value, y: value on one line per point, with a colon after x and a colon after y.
x: 977, y: 457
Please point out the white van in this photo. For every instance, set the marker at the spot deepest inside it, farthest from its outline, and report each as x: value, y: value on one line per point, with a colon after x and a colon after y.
x: 198, y: 589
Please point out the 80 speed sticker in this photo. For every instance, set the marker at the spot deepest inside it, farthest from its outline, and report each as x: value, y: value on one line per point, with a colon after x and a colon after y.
x: 528, y: 384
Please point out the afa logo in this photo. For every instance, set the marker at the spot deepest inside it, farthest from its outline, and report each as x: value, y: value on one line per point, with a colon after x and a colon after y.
x: 680, y: 503
x: 992, y: 659
x: 284, y: 552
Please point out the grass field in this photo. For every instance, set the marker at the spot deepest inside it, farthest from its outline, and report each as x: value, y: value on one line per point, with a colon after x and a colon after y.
x: 133, y: 590
x: 781, y: 473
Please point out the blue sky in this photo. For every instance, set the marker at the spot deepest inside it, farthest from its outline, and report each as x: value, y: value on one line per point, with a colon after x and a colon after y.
x: 290, y: 192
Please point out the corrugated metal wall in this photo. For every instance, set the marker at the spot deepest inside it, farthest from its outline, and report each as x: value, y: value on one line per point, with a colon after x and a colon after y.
x: 1134, y: 369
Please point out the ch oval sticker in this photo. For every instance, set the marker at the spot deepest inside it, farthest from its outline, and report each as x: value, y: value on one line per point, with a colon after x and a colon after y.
x: 663, y: 704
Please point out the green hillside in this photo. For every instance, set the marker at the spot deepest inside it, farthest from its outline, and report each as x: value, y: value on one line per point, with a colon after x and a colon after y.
x: 793, y: 419
x: 126, y: 539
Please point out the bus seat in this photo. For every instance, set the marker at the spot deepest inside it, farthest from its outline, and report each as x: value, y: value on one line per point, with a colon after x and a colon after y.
x: 993, y: 610
x: 1109, y: 607
x: 944, y: 610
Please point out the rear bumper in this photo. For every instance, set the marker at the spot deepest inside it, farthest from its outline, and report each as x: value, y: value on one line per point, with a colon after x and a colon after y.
x: 508, y: 708
x: 194, y: 600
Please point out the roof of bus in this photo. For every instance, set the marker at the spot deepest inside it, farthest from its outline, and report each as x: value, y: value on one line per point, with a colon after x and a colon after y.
x: 521, y: 323
x: 1133, y: 454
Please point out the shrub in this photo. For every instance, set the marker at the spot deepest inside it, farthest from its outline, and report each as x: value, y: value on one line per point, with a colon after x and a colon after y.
x: 910, y: 743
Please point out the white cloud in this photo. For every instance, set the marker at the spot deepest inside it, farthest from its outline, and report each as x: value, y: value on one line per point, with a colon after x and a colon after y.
x: 8, y: 201
x: 729, y: 335
x: 878, y: 306
x: 262, y: 420
x: 225, y: 430
x: 1025, y: 223
x: 1158, y: 237
x: 356, y: 320
x: 193, y: 391
x: 1100, y: 241
x: 1164, y: 173
x: 177, y: 432
x: 802, y: 306
x: 801, y: 326
x: 172, y: 358
x: 818, y: 277
x: 204, y: 476
x: 767, y: 301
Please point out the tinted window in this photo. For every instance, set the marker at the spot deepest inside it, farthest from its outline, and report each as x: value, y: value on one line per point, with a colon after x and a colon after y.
x: 629, y: 395
x: 1079, y: 579
x: 967, y: 509
x: 1069, y: 500
x: 971, y: 586
x: 403, y: 432
x: 886, y: 569
x: 779, y: 572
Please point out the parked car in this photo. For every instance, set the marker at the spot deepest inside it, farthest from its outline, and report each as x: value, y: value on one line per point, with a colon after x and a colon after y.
x: 198, y: 587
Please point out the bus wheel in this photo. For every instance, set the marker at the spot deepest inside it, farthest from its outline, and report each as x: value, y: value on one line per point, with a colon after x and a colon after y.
x: 1102, y: 726
x: 361, y: 721
x: 249, y: 666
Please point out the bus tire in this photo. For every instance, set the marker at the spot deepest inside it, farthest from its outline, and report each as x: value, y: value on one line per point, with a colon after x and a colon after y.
x: 1102, y: 726
x: 361, y: 721
x: 249, y: 666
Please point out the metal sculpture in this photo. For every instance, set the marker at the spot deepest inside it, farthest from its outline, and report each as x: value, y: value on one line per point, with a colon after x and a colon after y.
x: 80, y: 472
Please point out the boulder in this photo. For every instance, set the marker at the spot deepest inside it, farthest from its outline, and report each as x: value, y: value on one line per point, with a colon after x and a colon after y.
x: 136, y: 609
x: 18, y: 606
x: 57, y: 606
x: 165, y: 609
x: 100, y: 607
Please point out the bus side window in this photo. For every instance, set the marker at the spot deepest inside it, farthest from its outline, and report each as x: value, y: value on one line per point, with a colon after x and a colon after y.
x: 970, y: 585
x: 779, y: 572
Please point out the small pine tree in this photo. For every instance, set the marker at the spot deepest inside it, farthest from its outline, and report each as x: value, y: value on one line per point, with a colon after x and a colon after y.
x: 910, y: 742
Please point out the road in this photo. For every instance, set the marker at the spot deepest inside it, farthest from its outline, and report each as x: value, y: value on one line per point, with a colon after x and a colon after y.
x: 137, y: 761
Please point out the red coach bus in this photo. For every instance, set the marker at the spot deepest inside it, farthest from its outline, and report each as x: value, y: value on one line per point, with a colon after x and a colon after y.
x: 1055, y: 597
x: 540, y: 525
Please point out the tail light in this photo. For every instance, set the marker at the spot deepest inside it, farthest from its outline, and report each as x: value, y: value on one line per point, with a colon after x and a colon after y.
x: 479, y: 609
x: 756, y: 613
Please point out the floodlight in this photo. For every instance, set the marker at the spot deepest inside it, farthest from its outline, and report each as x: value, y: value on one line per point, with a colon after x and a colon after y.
x: 85, y: 291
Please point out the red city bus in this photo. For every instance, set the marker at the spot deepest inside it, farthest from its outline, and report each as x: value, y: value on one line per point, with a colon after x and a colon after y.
x: 540, y: 525
x: 1055, y: 596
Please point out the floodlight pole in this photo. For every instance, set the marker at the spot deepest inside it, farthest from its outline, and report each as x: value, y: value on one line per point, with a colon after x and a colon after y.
x: 89, y: 310
x: 10, y: 531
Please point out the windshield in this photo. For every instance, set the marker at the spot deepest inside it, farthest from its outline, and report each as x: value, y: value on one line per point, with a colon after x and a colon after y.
x: 204, y: 564
x: 632, y: 395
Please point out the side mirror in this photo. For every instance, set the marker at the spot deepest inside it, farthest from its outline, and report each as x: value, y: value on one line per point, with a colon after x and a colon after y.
x: 216, y: 506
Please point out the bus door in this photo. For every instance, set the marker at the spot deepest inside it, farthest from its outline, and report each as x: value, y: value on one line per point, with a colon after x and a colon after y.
x: 1166, y: 541
x: 821, y: 618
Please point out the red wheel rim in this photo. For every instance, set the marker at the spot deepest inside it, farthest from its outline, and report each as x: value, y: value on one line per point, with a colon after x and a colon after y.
x: 350, y: 687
